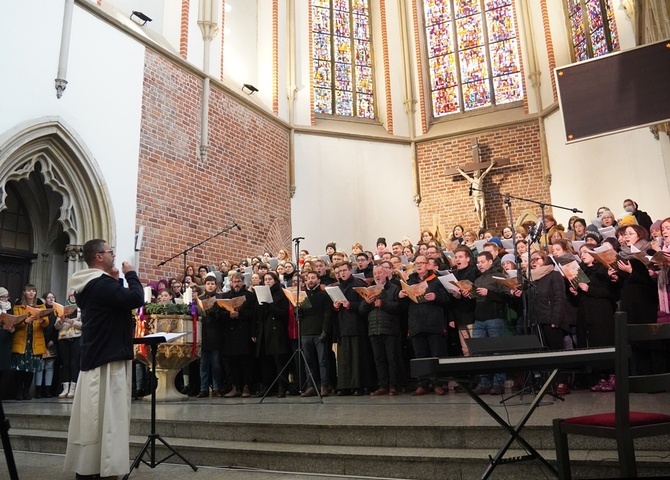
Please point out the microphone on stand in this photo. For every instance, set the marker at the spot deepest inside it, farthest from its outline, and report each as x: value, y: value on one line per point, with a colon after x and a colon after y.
x: 537, y: 230
x: 236, y: 225
x: 297, y: 238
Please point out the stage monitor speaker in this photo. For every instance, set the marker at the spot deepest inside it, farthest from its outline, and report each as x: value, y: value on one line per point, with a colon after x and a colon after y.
x: 620, y: 91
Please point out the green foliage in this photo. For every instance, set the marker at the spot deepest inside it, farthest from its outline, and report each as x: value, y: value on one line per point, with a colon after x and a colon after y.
x: 167, y: 309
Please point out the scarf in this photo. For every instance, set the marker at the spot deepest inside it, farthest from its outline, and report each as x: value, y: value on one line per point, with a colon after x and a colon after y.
x: 663, y: 303
x: 540, y: 272
x: 641, y: 245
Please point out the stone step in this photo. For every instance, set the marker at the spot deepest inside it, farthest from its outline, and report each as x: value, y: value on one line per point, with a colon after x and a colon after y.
x: 377, y: 461
x: 449, y: 437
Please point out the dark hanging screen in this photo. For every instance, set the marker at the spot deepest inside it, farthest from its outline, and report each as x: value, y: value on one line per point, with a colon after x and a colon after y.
x: 616, y: 92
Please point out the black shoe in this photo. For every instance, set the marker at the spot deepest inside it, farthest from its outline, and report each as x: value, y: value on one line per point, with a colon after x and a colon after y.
x: 343, y: 392
x: 281, y: 393
x: 46, y: 392
x: 38, y: 392
x: 358, y: 392
x: 26, y: 394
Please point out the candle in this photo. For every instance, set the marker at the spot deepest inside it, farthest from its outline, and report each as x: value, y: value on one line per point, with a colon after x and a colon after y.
x: 147, y: 294
x: 188, y: 296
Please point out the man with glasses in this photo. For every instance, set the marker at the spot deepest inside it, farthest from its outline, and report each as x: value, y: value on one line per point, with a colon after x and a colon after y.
x: 426, y: 320
x: 490, y: 313
x: 99, y: 432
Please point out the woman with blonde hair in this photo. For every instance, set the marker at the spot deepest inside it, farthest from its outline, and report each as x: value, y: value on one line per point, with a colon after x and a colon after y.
x: 28, y: 344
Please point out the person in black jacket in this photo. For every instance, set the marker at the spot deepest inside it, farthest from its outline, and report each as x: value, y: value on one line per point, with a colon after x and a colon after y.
x: 463, y: 308
x: 211, y: 368
x: 272, y: 344
x: 426, y: 319
x: 353, y: 369
x: 316, y: 329
x: 237, y: 347
x: 643, y: 219
x: 490, y: 314
x: 98, y: 441
x: 383, y: 314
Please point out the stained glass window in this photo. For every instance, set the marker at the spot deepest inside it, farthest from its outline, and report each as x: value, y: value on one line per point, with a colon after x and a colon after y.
x: 473, y: 54
x: 342, y: 58
x: 593, y: 29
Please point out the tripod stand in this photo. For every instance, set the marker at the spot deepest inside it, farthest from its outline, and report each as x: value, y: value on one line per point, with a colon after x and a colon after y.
x: 153, y: 436
x: 299, y: 352
x: 7, y: 446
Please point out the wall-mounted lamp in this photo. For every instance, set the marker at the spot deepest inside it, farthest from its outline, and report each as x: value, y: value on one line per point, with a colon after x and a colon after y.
x: 249, y: 89
x: 140, y: 18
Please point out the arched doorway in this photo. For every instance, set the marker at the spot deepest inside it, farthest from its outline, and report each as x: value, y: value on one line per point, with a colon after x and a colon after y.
x: 52, y: 187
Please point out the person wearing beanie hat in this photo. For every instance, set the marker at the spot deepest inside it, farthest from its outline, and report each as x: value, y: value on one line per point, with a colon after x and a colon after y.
x: 4, y: 292
x: 508, y: 258
x: 642, y: 218
x: 381, y: 246
x: 330, y: 249
x: 593, y: 238
x: 627, y: 219
x: 496, y: 240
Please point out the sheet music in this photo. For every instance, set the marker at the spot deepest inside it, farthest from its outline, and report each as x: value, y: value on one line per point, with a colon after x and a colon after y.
x: 263, y: 294
x: 169, y: 337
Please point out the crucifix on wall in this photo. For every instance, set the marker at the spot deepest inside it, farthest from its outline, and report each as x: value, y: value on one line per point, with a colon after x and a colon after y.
x: 479, y: 170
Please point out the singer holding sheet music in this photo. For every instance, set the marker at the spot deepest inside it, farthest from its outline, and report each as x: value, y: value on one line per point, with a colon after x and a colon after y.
x: 99, y: 433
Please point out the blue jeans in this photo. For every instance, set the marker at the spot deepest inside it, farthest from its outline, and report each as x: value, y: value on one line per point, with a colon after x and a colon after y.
x: 490, y: 328
x: 316, y: 354
x: 210, y: 370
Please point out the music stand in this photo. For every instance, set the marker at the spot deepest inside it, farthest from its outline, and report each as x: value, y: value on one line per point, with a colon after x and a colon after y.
x: 7, y: 446
x: 153, y: 340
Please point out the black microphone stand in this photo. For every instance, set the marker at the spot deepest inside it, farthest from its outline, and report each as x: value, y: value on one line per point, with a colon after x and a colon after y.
x: 299, y: 353
x: 153, y: 436
x: 185, y: 252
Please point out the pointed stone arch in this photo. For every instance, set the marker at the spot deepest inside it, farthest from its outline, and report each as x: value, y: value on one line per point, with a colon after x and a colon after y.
x: 51, y: 148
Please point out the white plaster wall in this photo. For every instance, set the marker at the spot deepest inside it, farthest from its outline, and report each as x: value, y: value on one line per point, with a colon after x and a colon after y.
x: 102, y: 102
x: 606, y: 170
x: 241, y: 48
x: 351, y: 191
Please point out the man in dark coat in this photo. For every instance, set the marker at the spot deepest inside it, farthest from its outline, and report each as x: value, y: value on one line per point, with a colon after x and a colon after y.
x: 353, y: 373
x: 237, y: 347
x: 211, y: 371
x: 463, y: 308
x: 99, y: 432
x: 426, y: 319
x: 383, y: 314
x: 316, y: 328
x: 490, y: 313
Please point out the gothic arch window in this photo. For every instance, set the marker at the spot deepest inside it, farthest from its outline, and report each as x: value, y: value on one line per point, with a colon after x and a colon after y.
x: 342, y: 58
x: 473, y: 54
x: 592, y: 27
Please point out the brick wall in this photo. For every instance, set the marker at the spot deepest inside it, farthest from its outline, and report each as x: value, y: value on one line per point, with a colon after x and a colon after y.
x: 445, y: 198
x: 182, y: 201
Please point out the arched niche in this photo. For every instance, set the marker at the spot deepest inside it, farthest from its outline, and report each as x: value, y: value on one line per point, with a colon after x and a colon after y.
x: 46, y: 150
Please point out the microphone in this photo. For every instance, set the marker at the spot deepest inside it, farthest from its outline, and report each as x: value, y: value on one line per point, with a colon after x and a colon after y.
x: 236, y: 225
x: 297, y: 239
x: 536, y: 230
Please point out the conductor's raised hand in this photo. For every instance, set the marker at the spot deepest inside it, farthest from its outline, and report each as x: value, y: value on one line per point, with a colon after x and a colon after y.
x: 127, y: 267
